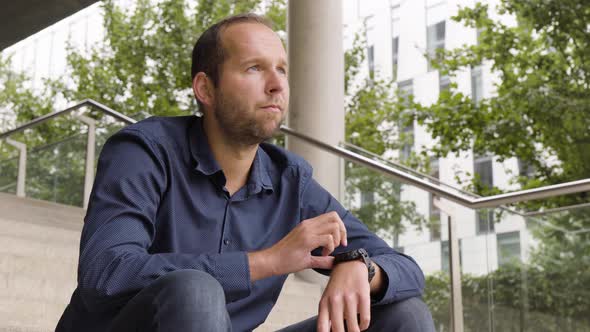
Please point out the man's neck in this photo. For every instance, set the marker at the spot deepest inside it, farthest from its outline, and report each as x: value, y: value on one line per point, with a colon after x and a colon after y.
x: 235, y: 159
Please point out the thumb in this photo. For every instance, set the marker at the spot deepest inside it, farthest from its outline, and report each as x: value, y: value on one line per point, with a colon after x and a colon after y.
x: 322, y: 262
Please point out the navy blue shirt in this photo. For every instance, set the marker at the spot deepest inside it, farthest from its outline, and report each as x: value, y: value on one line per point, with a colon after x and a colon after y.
x: 159, y: 204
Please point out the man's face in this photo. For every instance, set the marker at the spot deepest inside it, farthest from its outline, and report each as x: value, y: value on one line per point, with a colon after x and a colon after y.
x: 252, y: 95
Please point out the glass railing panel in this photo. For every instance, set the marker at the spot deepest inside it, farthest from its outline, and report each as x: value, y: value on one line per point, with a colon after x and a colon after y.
x: 542, y: 273
x: 56, y: 156
x: 410, y: 220
x: 103, y: 133
x: 8, y: 168
x: 55, y: 171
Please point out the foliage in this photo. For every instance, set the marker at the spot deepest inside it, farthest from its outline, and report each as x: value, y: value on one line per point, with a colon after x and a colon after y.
x: 371, y: 124
x: 526, y: 297
x: 144, y: 63
x: 141, y: 68
x: 540, y: 112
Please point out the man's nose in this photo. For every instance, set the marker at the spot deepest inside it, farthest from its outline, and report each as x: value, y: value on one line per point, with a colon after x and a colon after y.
x: 276, y: 82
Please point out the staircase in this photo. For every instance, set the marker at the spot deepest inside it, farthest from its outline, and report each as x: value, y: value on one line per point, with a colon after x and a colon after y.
x: 38, y: 260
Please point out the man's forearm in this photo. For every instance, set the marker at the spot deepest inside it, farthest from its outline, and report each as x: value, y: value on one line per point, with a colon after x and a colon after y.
x: 261, y: 265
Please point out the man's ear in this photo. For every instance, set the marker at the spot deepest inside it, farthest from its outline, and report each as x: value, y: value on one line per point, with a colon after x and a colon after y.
x: 203, y: 89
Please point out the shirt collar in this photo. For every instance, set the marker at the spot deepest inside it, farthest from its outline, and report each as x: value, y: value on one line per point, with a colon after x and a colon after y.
x: 206, y: 164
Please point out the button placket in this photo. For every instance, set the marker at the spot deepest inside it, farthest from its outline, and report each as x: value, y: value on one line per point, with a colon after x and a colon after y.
x: 224, y: 239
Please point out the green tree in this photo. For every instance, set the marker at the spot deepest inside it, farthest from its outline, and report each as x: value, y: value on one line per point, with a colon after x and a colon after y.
x: 541, y: 108
x: 372, y: 122
x: 144, y: 63
x: 539, y: 114
x: 142, y: 67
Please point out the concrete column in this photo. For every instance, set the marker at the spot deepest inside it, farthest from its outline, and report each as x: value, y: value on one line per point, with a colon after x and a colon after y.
x: 316, y: 77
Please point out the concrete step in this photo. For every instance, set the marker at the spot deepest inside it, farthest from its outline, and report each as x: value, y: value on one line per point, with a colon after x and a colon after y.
x: 29, y: 315
x: 47, y: 248
x: 38, y: 266
x: 37, y: 232
x: 40, y: 212
x: 298, y: 301
x: 44, y: 287
x: 22, y: 329
x: 34, y: 267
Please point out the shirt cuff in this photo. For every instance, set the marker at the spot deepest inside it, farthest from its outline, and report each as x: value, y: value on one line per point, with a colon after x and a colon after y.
x: 233, y: 273
x: 390, y: 278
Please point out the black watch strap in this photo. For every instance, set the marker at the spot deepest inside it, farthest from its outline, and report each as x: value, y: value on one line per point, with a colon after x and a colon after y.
x: 357, y: 254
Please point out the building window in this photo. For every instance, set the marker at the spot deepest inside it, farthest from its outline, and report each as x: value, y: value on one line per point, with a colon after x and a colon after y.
x: 371, y: 60
x: 435, y: 39
x: 483, y: 168
x: 395, y: 30
x: 434, y: 211
x: 485, y: 217
x: 525, y: 169
x: 508, y: 248
x: 408, y: 147
x: 445, y: 253
x: 444, y: 83
x: 478, y: 32
x: 367, y: 198
x: 484, y: 221
x: 405, y: 89
x: 476, y: 85
x: 395, y: 56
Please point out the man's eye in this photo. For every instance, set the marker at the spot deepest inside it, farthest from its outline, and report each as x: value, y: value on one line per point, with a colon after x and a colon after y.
x: 283, y: 71
x: 254, y: 68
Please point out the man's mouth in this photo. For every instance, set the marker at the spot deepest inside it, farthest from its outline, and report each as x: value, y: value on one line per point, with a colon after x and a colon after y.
x: 272, y: 108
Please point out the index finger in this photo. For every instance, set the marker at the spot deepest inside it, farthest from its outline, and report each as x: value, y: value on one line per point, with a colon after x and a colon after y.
x: 343, y: 236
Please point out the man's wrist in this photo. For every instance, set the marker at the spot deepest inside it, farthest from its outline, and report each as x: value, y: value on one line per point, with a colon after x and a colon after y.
x: 360, y: 255
x: 261, y: 264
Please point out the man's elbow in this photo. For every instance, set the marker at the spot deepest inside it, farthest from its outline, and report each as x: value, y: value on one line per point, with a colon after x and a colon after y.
x: 98, y: 285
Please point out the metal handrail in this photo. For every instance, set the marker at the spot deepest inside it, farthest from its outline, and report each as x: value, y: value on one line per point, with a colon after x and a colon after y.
x: 407, y: 169
x: 438, y: 190
x: 437, y: 181
x: 86, y: 102
x: 470, y: 202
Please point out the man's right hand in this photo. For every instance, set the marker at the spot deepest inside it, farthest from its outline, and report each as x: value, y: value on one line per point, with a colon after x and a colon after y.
x: 293, y: 252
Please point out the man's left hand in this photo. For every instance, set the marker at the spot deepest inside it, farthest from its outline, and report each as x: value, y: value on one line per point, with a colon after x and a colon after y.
x: 347, y: 295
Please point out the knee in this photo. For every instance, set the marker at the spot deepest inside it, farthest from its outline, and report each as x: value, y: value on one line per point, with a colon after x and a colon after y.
x: 191, y: 288
x: 408, y: 315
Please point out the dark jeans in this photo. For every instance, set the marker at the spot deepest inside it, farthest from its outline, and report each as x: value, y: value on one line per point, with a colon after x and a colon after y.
x: 191, y: 300
x: 185, y: 300
x: 411, y: 315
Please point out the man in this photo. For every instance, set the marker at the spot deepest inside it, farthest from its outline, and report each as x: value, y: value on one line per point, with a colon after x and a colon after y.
x: 194, y: 223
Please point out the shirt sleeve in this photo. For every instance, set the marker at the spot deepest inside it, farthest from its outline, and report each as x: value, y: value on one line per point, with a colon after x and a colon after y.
x: 115, y: 259
x: 403, y: 276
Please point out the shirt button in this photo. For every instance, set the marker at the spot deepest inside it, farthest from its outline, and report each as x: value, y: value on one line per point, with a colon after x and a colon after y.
x: 226, y: 242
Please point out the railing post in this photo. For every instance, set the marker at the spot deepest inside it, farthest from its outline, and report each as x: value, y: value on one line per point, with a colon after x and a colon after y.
x: 454, y: 267
x: 455, y: 270
x: 90, y: 153
x: 22, y: 166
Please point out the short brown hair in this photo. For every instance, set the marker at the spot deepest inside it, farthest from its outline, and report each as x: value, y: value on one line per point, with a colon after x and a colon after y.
x: 208, y: 53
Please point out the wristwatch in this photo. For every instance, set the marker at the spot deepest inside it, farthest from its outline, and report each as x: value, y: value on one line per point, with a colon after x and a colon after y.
x: 356, y: 254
